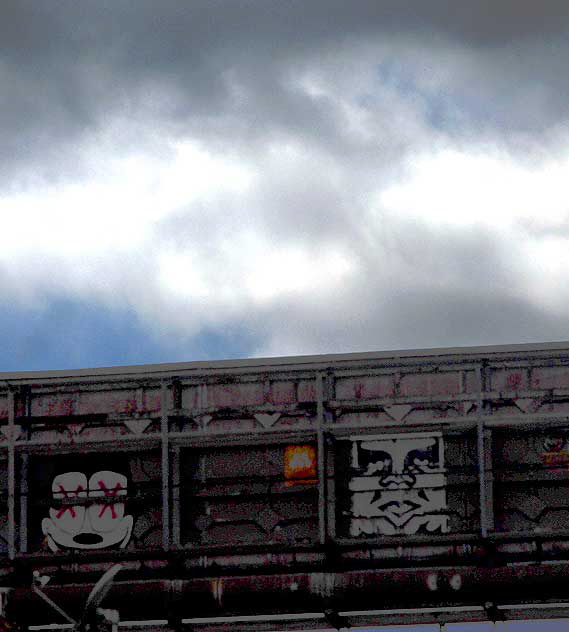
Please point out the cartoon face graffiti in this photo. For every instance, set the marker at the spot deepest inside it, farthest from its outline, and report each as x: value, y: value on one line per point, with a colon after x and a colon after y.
x: 87, y: 514
x: 398, y: 484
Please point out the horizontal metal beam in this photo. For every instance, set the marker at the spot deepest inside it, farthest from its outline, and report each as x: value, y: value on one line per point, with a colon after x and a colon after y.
x: 445, y: 355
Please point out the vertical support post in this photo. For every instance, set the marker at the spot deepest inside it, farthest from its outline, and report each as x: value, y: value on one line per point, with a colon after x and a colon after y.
x: 24, y: 503
x: 482, y: 479
x: 199, y: 403
x: 11, y: 475
x: 480, y: 430
x: 330, y: 464
x: 488, y: 443
x: 331, y: 488
x: 4, y: 594
x: 176, y: 496
x: 165, y: 466
x: 24, y: 477
x: 321, y: 458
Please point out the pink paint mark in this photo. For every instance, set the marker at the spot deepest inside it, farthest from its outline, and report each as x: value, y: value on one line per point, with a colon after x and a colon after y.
x: 514, y: 381
x: 112, y: 493
x: 67, y: 493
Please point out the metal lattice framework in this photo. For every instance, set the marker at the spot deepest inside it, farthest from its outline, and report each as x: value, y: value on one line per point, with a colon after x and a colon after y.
x: 298, y: 493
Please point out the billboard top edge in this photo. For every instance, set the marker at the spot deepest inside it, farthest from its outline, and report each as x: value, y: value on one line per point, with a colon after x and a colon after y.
x: 259, y: 364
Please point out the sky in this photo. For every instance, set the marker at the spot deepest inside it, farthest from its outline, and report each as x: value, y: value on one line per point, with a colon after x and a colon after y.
x: 243, y: 178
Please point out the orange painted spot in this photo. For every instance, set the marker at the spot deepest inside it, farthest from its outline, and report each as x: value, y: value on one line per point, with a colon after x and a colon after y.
x: 300, y: 464
x: 556, y: 459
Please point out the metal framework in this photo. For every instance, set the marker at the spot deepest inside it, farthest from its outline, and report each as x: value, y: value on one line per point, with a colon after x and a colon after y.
x: 227, y: 534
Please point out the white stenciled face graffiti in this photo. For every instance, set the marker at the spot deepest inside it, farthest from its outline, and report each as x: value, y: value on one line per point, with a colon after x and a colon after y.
x: 88, y: 514
x: 398, y: 484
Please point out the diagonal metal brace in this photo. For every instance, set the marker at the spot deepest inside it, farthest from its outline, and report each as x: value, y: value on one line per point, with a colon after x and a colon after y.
x: 62, y: 612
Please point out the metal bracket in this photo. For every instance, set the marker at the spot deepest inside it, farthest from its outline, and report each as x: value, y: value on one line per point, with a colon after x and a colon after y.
x: 334, y: 619
x: 493, y: 612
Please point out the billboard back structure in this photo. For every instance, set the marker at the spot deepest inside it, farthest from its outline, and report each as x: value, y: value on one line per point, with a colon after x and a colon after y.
x: 290, y: 493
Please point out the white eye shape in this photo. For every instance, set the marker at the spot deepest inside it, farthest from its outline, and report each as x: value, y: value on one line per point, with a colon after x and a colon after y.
x: 107, y: 484
x: 106, y: 515
x: 69, y: 485
x: 65, y: 487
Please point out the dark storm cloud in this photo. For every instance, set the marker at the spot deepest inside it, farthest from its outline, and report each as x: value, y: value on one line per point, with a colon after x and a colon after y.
x: 68, y: 67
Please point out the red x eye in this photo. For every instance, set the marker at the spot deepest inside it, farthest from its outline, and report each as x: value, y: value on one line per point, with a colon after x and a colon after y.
x: 109, y: 492
x: 66, y: 494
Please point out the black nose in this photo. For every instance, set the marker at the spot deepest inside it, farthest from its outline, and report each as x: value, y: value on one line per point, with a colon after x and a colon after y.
x: 87, y: 538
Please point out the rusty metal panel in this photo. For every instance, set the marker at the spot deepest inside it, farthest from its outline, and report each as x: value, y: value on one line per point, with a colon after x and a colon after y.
x: 224, y: 424
x: 282, y: 392
x: 306, y: 390
x: 4, y: 407
x: 248, y: 495
x: 54, y: 405
x: 190, y: 397
x: 471, y: 382
x: 151, y: 402
x: 365, y: 387
x: 545, y: 378
x: 508, y: 379
x: 366, y: 419
x: 104, y: 401
x: 531, y: 480
x: 430, y: 384
x: 235, y: 395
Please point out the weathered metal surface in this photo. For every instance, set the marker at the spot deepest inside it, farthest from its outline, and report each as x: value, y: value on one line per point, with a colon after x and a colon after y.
x: 431, y: 595
x: 384, y: 487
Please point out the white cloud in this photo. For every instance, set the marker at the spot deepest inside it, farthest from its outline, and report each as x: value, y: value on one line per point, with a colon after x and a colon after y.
x: 88, y: 239
x: 546, y: 283
x: 116, y: 208
x: 282, y: 271
x: 467, y: 187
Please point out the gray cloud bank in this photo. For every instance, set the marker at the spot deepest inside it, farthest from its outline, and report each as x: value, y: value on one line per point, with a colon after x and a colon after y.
x: 227, y: 70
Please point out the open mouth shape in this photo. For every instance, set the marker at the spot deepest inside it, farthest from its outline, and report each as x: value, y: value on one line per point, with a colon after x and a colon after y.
x: 88, y: 538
